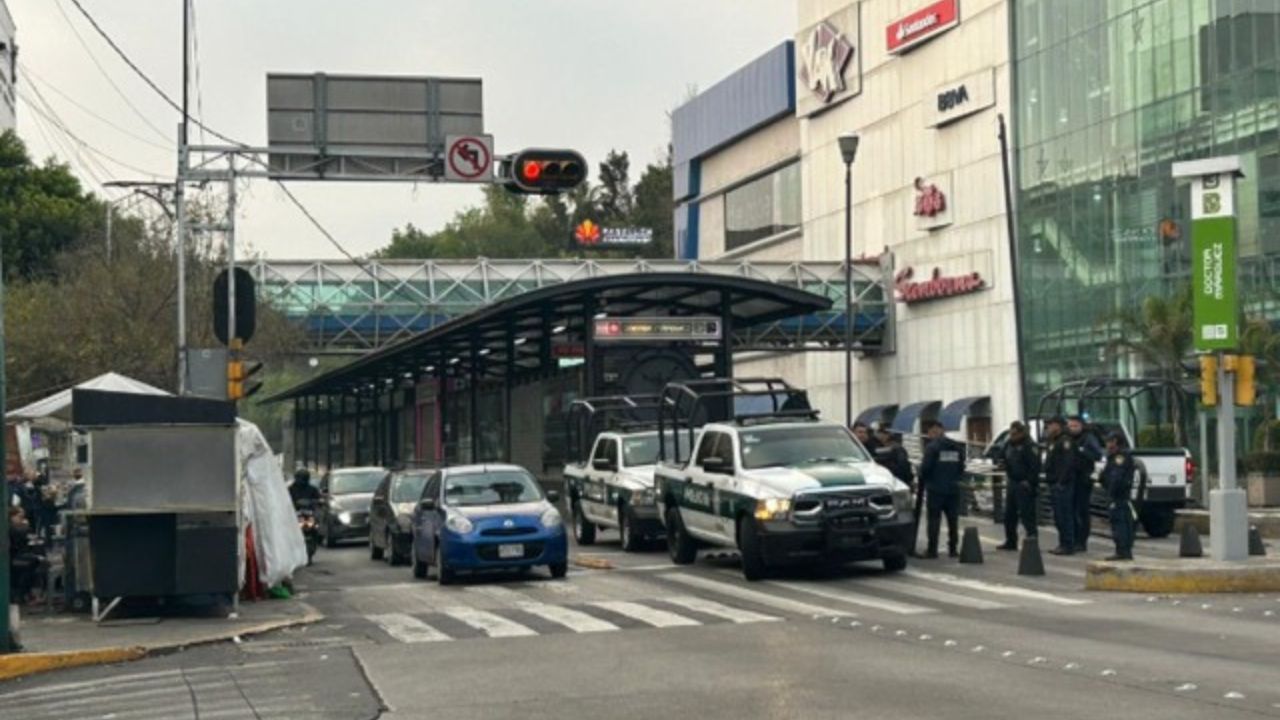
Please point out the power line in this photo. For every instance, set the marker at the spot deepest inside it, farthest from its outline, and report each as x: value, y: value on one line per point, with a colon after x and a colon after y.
x: 44, y: 109
x: 105, y: 74
x: 195, y: 60
x: 27, y: 71
x: 55, y: 146
x: 59, y: 142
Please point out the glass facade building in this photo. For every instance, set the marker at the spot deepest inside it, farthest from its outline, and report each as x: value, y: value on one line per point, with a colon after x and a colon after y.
x: 1110, y: 93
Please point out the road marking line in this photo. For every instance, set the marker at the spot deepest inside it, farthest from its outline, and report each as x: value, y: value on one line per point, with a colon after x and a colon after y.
x: 711, y: 607
x: 854, y: 598
x: 572, y: 619
x: 931, y: 594
x: 496, y: 592
x: 757, y: 597
x: 994, y: 588
x: 407, y: 628
x: 651, y: 616
x: 644, y: 568
x: 492, y: 625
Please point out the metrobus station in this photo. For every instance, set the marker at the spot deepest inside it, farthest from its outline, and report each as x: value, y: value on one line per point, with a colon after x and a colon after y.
x: 480, y: 361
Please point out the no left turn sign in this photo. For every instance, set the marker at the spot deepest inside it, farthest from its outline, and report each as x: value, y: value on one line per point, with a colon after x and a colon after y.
x: 468, y: 158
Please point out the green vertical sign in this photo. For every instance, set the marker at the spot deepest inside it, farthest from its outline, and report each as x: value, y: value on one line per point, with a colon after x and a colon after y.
x: 1216, y: 308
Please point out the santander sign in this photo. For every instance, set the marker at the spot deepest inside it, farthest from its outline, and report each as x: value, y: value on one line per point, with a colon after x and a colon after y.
x: 919, y: 26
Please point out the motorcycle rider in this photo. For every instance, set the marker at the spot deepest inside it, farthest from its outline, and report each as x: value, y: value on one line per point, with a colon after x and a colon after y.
x: 301, y: 492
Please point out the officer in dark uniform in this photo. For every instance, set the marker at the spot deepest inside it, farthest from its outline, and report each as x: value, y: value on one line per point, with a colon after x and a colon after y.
x: 1088, y: 453
x: 890, y: 455
x: 863, y: 433
x: 1022, y: 468
x: 941, y: 472
x: 1117, y: 480
x: 1060, y: 450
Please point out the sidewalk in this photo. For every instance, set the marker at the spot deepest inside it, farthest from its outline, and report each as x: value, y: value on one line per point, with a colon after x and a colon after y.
x: 70, y: 640
x: 1185, y: 575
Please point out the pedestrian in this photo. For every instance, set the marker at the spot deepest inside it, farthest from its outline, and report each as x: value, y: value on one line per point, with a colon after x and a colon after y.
x: 1060, y: 450
x: 1088, y: 453
x: 45, y: 497
x: 863, y: 433
x: 941, y: 472
x: 1022, y: 468
x: 890, y: 454
x: 1117, y: 481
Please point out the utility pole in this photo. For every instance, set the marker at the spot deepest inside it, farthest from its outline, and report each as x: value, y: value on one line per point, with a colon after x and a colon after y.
x: 4, y: 512
x: 180, y: 204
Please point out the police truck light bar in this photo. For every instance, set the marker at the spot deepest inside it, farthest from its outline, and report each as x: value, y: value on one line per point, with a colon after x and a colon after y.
x: 545, y: 172
x: 657, y: 329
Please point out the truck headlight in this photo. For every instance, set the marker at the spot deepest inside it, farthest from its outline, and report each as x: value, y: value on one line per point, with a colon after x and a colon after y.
x: 344, y: 518
x: 902, y: 500
x: 459, y: 524
x: 642, y: 498
x: 551, y: 519
x: 773, y: 508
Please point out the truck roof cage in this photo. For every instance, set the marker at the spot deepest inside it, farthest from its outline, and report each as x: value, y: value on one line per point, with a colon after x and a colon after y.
x: 689, y: 404
x: 1126, y: 396
x: 588, y: 417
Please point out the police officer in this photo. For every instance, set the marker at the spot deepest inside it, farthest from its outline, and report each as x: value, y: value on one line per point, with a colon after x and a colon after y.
x: 1060, y: 449
x: 863, y: 433
x: 1117, y: 480
x: 890, y: 455
x: 1022, y: 468
x: 1088, y: 453
x: 941, y: 472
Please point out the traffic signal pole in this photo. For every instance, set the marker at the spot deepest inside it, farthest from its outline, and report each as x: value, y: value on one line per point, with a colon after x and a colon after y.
x: 233, y: 347
x: 4, y: 512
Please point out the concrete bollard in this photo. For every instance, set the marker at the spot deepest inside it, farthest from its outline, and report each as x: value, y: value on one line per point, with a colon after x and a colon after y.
x: 1190, y: 546
x: 971, y: 547
x: 1030, y: 562
x: 1256, y: 547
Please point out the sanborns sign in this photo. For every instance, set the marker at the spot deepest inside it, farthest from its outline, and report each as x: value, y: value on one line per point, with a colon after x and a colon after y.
x: 922, y: 25
x: 936, y: 287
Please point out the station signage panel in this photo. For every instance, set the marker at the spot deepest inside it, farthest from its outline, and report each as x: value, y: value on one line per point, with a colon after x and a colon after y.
x: 921, y: 26
x: 658, y: 329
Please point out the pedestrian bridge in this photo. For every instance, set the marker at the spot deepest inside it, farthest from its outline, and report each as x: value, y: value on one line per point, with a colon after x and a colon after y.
x: 350, y: 308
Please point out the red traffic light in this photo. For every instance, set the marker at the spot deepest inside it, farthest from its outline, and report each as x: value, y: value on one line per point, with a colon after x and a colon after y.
x: 545, y: 172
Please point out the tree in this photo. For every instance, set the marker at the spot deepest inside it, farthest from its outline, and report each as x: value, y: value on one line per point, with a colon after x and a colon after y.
x: 500, y: 228
x: 655, y: 208
x: 1260, y: 339
x: 43, y: 211
x: 1159, y: 334
x: 615, y: 200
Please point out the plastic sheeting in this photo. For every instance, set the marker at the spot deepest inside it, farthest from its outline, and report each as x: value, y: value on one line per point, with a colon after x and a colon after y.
x: 268, y: 509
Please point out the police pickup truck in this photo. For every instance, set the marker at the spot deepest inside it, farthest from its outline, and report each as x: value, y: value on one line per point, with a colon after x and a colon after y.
x: 611, y: 487
x: 774, y: 482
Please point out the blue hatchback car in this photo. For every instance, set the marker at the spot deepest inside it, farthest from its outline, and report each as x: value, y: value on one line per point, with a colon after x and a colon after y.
x: 474, y: 518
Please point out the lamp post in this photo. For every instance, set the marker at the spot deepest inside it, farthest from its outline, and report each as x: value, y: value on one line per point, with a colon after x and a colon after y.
x: 848, y: 152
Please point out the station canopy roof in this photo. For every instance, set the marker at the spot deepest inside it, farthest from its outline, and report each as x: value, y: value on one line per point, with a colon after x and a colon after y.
x: 524, y: 328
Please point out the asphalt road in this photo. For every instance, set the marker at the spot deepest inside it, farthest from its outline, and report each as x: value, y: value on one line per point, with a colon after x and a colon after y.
x: 647, y: 639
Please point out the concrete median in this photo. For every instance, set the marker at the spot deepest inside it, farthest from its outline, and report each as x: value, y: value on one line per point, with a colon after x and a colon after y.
x: 1187, y: 576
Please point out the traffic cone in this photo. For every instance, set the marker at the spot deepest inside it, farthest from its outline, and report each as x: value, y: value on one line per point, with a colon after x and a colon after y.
x: 971, y: 547
x: 1190, y: 545
x: 1255, y: 542
x: 1030, y: 562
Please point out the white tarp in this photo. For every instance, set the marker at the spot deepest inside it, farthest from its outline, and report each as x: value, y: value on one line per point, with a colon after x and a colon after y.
x: 58, y: 405
x: 268, y: 509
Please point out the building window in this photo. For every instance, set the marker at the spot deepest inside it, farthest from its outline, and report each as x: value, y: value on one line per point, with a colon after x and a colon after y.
x: 763, y: 207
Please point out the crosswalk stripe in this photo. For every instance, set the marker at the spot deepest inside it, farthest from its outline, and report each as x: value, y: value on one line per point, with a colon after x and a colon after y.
x: 572, y: 619
x: 855, y: 598
x: 757, y: 597
x: 495, y: 626
x: 994, y: 588
x: 407, y: 628
x: 926, y: 593
x: 496, y: 592
x: 710, y: 607
x: 651, y: 616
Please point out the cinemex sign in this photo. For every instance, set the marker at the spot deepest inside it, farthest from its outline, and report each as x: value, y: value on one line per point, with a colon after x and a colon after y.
x: 922, y: 25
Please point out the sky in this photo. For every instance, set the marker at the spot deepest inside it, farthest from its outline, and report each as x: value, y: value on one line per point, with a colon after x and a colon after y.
x: 587, y: 74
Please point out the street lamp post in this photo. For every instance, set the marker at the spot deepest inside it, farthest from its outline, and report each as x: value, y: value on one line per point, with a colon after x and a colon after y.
x: 848, y: 152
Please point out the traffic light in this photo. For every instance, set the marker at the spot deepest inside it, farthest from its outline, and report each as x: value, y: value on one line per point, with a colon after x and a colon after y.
x: 246, y: 302
x: 238, y: 373
x: 1208, y: 380
x: 544, y: 172
x: 1246, y: 388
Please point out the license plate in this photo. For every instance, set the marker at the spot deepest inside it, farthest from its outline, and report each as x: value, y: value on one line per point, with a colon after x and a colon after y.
x: 507, y: 552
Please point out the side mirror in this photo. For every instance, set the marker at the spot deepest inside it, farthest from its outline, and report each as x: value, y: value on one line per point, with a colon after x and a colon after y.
x: 717, y: 465
x: 427, y: 505
x: 603, y: 464
x: 553, y: 496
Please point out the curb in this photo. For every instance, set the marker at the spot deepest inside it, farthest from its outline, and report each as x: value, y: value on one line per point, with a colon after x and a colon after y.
x: 1179, y: 580
x: 592, y: 562
x: 23, y: 664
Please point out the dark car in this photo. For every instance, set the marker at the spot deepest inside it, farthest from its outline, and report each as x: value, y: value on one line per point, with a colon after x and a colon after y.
x: 344, y: 513
x: 391, y: 515
x: 476, y: 518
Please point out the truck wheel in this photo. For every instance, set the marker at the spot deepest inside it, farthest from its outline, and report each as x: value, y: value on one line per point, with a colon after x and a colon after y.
x: 895, y: 563
x: 584, y: 531
x: 1158, y: 522
x: 680, y: 546
x: 753, y: 567
x: 631, y: 539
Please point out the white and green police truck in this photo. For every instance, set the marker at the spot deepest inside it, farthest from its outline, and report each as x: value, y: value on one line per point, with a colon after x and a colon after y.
x: 772, y: 481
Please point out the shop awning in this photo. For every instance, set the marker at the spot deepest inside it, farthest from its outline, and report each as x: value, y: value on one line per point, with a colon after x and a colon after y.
x: 905, y: 420
x: 878, y: 413
x: 955, y: 411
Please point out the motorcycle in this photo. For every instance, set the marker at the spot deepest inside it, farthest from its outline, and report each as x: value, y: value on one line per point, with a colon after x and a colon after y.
x: 310, y: 531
